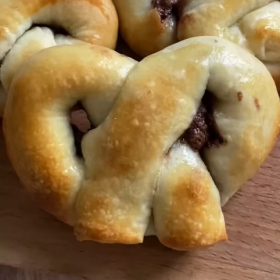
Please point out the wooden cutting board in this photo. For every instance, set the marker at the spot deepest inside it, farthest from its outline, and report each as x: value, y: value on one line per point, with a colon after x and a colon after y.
x: 32, y: 240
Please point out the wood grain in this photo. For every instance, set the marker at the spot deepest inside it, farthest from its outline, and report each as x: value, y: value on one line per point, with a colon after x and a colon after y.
x: 32, y: 240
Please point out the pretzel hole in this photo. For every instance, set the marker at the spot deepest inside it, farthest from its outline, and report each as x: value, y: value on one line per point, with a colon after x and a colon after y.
x: 166, y: 8
x: 80, y: 124
x: 55, y: 28
x: 123, y: 48
x: 203, y: 131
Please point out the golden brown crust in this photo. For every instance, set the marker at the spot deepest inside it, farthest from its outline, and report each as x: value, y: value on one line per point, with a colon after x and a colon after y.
x: 133, y: 161
x: 98, y: 230
x: 127, y: 173
x: 192, y: 213
x: 91, y: 21
x: 254, y: 25
x: 53, y: 174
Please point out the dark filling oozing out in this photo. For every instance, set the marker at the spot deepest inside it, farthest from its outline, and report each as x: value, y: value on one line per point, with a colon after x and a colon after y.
x: 165, y: 8
x: 203, y: 131
x: 80, y: 125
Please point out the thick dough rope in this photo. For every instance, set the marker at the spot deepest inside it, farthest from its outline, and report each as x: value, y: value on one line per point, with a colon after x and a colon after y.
x: 134, y: 165
x: 90, y: 21
x: 33, y: 41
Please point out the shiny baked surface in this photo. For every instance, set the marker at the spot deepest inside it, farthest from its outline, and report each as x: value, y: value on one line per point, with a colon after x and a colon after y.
x: 132, y: 161
x: 90, y: 21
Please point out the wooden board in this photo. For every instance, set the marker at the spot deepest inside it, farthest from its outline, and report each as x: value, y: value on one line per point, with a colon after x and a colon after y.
x: 33, y: 240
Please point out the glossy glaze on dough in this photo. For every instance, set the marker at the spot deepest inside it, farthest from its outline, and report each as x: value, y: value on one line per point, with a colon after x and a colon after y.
x: 91, y: 21
x: 31, y: 42
x: 142, y: 28
x: 134, y: 168
x: 253, y: 24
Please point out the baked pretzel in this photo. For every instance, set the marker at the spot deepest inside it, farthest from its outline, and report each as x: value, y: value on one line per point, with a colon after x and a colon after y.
x: 151, y: 25
x: 252, y: 24
x: 153, y: 117
x: 91, y: 21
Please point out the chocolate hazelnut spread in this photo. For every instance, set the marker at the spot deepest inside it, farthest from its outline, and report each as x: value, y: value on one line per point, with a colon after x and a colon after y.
x: 203, y: 131
x: 164, y: 7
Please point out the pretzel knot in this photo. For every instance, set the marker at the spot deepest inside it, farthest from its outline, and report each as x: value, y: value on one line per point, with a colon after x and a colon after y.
x: 90, y: 21
x: 136, y: 165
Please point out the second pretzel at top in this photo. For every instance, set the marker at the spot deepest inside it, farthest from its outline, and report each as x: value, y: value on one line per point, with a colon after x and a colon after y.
x: 150, y: 25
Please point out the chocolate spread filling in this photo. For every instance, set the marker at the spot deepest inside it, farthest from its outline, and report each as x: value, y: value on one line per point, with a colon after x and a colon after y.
x: 203, y: 131
x: 165, y: 8
x: 80, y: 125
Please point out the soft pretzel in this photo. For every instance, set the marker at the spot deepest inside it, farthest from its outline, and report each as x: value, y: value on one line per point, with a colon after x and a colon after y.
x: 252, y: 24
x: 136, y: 162
x: 151, y: 25
x: 93, y: 21
x: 31, y: 42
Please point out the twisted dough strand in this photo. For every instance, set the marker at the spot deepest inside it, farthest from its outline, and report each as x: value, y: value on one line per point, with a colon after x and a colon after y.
x: 91, y: 21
